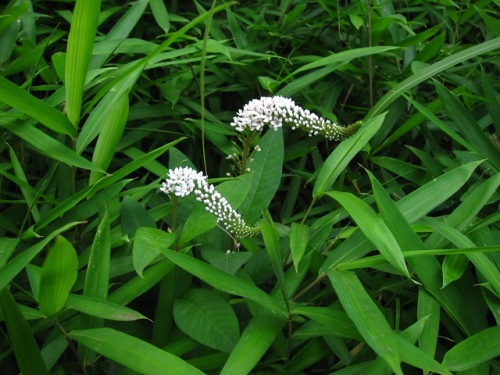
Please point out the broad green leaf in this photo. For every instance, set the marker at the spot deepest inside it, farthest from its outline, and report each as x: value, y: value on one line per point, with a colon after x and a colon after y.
x: 79, y: 51
x: 134, y: 216
x: 207, y: 317
x: 24, y: 102
x: 366, y: 316
x: 255, y: 340
x: 132, y: 352
x: 373, y: 228
x: 59, y: 272
x: 199, y: 222
x: 474, y: 350
x: 338, y: 160
x: 272, y: 245
x: 101, y: 308
x: 430, y: 71
x: 299, y: 235
x: 113, y: 126
x: 267, y: 167
x: 148, y: 244
x: 228, y: 261
x: 17, y: 264
x: 21, y: 337
x: 225, y: 282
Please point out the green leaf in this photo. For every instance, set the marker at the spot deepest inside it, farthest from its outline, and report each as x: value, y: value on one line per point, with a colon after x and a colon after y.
x: 374, y: 229
x: 16, y: 265
x: 468, y: 126
x: 207, y: 317
x: 21, y: 337
x: 46, y: 145
x: 59, y: 272
x: 200, y: 221
x: 148, y: 244
x: 113, y: 126
x: 254, y: 342
x: 132, y: 352
x: 430, y: 71
x: 299, y: 235
x: 101, y: 308
x: 428, y: 307
x: 338, y: 160
x: 134, y: 216
x: 366, y: 316
x: 24, y: 102
x: 473, y: 351
x: 225, y: 282
x: 160, y: 14
x: 267, y: 167
x: 272, y: 245
x: 79, y: 51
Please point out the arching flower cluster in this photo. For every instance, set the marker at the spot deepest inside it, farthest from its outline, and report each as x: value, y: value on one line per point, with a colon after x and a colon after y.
x: 183, y: 181
x: 277, y: 111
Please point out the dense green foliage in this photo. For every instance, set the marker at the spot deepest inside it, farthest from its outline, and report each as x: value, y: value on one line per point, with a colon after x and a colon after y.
x: 379, y: 254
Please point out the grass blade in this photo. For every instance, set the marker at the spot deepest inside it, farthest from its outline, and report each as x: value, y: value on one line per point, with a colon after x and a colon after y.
x: 79, y: 51
x: 225, y: 282
x: 343, y: 154
x: 366, y: 316
x: 23, y: 101
x: 431, y: 71
x: 21, y: 337
x: 474, y: 350
x: 374, y: 228
x: 132, y: 352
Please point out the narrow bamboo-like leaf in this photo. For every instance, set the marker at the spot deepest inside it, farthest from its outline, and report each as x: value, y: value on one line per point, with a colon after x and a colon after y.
x: 474, y: 350
x: 27, y: 194
x: 366, y: 316
x: 207, y: 317
x: 24, y: 102
x: 255, y: 340
x: 59, y: 272
x: 453, y: 268
x: 148, y: 244
x: 374, y: 228
x: 132, y: 352
x: 46, y: 145
x: 16, y: 265
x: 483, y: 264
x: 160, y: 14
x: 267, y: 167
x: 100, y: 308
x: 468, y: 126
x: 299, y: 235
x: 80, y: 43
x: 271, y: 242
x: 343, y: 154
x: 7, y: 247
x: 338, y: 321
x: 134, y: 216
x: 430, y: 71
x: 225, y: 282
x: 109, y: 137
x: 428, y: 307
x: 21, y: 337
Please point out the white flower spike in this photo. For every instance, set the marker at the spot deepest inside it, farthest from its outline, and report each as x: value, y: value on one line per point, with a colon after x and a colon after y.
x: 184, y: 181
x: 277, y: 111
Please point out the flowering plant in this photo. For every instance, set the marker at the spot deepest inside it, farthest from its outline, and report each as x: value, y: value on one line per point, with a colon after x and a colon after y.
x: 184, y: 181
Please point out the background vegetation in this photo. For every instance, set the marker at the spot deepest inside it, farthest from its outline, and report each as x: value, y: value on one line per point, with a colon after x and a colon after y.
x: 379, y: 254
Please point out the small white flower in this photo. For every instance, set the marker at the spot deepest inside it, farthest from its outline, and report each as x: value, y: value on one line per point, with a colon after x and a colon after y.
x: 277, y: 111
x: 184, y: 181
